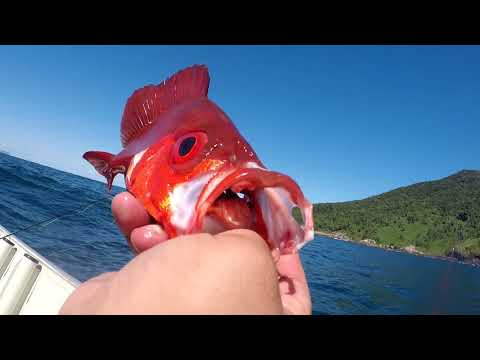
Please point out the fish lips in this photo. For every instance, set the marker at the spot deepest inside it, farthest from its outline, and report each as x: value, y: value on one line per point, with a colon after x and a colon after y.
x: 273, y: 194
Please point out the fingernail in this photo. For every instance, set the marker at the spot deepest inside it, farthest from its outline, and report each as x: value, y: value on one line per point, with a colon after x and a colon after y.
x: 147, y: 237
x: 153, y: 230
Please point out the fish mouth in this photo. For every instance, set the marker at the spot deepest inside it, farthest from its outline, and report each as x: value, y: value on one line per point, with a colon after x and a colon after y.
x: 259, y: 200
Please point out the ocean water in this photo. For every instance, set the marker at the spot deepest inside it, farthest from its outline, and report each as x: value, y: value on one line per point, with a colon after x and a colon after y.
x: 344, y: 278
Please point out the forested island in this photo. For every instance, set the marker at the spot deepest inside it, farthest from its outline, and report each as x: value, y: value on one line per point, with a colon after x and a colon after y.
x: 439, y: 218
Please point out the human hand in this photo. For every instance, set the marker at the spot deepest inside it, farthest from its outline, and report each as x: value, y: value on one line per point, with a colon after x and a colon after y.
x: 142, y: 233
x: 230, y: 272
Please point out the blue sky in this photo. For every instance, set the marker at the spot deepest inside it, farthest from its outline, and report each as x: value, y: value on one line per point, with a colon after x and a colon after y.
x: 346, y: 122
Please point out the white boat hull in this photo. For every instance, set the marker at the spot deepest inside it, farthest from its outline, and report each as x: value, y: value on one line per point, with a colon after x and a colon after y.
x: 29, y: 283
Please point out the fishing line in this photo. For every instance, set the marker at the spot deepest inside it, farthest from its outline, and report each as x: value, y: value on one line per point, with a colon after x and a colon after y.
x: 54, y: 218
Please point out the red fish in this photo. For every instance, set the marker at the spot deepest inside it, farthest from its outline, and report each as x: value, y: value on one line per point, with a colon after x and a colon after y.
x: 185, y: 160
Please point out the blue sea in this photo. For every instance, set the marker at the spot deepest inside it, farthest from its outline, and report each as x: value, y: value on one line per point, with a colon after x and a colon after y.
x: 344, y: 278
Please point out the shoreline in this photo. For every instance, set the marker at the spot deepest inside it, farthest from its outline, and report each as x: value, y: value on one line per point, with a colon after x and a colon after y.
x: 408, y: 249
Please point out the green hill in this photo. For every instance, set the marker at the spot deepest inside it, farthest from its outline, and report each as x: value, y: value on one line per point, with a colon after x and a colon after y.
x: 433, y: 216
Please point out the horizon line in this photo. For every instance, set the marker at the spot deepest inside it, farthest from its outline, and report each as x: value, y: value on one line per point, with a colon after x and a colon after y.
x: 320, y: 202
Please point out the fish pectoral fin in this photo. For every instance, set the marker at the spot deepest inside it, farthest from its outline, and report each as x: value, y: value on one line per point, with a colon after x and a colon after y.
x: 104, y: 164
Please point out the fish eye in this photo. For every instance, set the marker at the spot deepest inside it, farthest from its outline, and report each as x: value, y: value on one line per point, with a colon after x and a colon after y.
x: 186, y: 145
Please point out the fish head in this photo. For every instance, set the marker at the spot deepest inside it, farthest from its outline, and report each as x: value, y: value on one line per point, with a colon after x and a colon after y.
x: 205, y: 171
x: 195, y: 167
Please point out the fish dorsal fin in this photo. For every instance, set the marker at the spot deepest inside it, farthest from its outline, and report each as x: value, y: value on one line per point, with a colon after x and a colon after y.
x: 146, y: 104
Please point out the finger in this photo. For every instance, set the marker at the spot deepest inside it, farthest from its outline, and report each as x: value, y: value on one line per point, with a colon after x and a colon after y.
x: 128, y: 213
x: 146, y: 237
x: 293, y: 285
x: 290, y: 266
